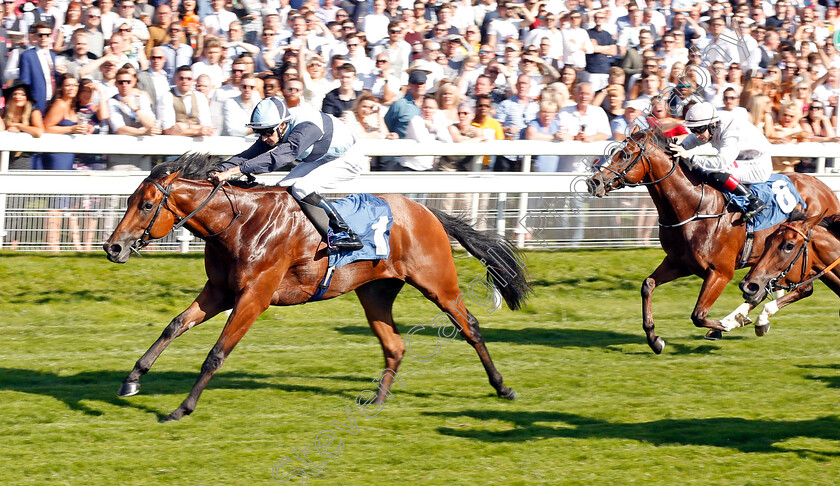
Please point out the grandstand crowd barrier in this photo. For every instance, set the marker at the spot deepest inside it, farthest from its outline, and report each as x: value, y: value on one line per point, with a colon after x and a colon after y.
x: 536, y: 210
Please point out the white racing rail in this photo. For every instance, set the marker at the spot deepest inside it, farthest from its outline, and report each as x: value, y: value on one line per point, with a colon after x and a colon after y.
x: 539, y: 210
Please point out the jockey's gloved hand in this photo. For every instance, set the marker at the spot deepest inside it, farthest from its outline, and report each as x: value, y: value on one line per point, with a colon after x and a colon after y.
x: 679, y: 152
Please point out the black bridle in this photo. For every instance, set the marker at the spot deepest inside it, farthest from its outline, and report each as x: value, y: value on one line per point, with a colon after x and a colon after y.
x: 773, y: 283
x: 145, y: 239
x: 622, y: 174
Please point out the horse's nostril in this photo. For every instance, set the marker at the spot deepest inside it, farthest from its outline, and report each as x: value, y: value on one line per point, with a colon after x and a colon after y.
x: 113, y: 249
x: 753, y: 287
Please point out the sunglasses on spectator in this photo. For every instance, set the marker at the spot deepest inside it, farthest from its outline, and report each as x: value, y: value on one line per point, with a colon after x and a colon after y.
x: 463, y: 112
x: 730, y: 97
x: 44, y: 34
x: 155, y: 57
x: 124, y: 30
x: 381, y: 61
x: 238, y: 70
x: 394, y: 31
x: 123, y: 81
x: 815, y: 107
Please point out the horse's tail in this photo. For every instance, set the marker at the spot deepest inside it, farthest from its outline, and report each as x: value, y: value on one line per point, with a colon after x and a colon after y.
x: 506, y: 269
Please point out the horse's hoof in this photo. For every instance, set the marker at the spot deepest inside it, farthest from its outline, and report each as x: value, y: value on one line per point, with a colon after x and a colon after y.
x: 176, y: 415
x: 713, y: 335
x: 129, y: 389
x: 658, y: 345
x: 509, y: 395
x: 762, y: 330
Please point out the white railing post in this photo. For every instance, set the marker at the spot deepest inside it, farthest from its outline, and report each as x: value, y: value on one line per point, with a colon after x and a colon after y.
x: 523, y: 206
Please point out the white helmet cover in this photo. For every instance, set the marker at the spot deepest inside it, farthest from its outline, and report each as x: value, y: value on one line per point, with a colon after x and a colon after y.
x: 700, y: 115
x: 269, y: 113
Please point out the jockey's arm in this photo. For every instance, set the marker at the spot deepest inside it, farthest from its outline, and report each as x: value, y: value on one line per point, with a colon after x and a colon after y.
x: 727, y: 154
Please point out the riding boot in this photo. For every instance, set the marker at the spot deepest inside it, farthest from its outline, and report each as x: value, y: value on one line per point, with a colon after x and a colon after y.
x: 754, y: 206
x: 723, y: 181
x: 336, y: 222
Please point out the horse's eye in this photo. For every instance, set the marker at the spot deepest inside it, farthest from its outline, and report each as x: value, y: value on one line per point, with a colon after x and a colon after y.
x: 147, y: 206
x: 788, y: 246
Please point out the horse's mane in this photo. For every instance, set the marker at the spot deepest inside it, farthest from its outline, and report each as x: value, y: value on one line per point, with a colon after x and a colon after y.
x: 797, y: 215
x: 652, y: 134
x: 832, y: 224
x: 193, y: 166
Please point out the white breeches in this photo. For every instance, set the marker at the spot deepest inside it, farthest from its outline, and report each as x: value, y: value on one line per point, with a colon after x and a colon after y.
x: 752, y: 171
x: 309, y: 177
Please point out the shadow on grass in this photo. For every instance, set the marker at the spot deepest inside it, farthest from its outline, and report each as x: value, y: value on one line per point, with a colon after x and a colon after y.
x: 830, y: 381
x: 566, y: 338
x: 745, y: 435
x: 102, y: 386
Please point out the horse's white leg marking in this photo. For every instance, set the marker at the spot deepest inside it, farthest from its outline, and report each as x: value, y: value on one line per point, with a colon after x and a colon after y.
x: 731, y: 321
x: 767, y: 312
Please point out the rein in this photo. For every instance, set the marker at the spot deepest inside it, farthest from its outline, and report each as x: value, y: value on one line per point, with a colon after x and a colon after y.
x: 145, y: 239
x: 622, y: 182
x: 773, y: 285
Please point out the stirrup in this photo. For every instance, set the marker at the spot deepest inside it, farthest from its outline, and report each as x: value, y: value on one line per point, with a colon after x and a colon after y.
x: 754, y: 210
x: 352, y: 243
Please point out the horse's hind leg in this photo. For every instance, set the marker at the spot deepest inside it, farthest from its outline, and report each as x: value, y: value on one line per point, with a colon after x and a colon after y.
x: 209, y: 302
x: 664, y: 273
x: 377, y: 298
x: 443, y: 290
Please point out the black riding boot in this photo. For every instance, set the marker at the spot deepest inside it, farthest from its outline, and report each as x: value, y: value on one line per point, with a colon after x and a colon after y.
x: 723, y: 181
x: 336, y: 222
x: 755, y: 205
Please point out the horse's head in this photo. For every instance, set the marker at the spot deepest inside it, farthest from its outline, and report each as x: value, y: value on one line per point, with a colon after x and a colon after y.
x: 145, y: 219
x: 786, y: 248
x: 629, y: 163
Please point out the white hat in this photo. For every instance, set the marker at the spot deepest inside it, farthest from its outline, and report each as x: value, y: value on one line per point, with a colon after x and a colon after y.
x: 700, y: 115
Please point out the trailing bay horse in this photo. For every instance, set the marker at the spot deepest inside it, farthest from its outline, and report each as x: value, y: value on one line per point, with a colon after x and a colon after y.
x: 261, y: 250
x: 699, y: 234
x: 795, y: 255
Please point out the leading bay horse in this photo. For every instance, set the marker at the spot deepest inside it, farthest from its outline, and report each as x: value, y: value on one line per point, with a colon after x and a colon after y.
x: 261, y: 250
x: 699, y: 234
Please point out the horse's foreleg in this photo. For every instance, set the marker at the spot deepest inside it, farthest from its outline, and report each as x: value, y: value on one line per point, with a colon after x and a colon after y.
x: 209, y: 302
x: 664, y: 273
x: 377, y: 298
x: 245, y: 312
x: 713, y: 286
x: 737, y: 318
x: 770, y: 308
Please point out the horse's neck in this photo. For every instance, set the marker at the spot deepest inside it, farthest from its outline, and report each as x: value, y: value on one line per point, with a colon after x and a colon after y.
x: 218, y: 214
x: 825, y: 246
x: 676, y: 197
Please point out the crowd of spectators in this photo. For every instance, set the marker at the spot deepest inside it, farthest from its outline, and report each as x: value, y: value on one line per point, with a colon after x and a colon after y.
x: 458, y: 71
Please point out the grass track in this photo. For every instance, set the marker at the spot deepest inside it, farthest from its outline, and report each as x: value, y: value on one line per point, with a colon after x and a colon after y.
x: 596, y: 405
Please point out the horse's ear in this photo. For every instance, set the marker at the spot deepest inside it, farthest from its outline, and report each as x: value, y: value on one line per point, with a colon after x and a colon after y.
x: 171, y: 176
x: 814, y: 220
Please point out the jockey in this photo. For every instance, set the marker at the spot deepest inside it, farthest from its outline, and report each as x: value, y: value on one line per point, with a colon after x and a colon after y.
x: 323, y: 145
x: 743, y: 152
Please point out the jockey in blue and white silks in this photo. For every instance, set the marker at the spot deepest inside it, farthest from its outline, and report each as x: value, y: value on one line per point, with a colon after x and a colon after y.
x: 321, y: 143
x: 743, y: 152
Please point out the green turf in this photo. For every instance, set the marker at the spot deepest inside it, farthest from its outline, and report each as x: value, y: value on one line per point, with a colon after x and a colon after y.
x: 595, y: 405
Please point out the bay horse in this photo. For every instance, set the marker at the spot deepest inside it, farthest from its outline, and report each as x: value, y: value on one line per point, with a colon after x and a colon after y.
x: 797, y: 253
x: 699, y: 234
x: 261, y: 250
